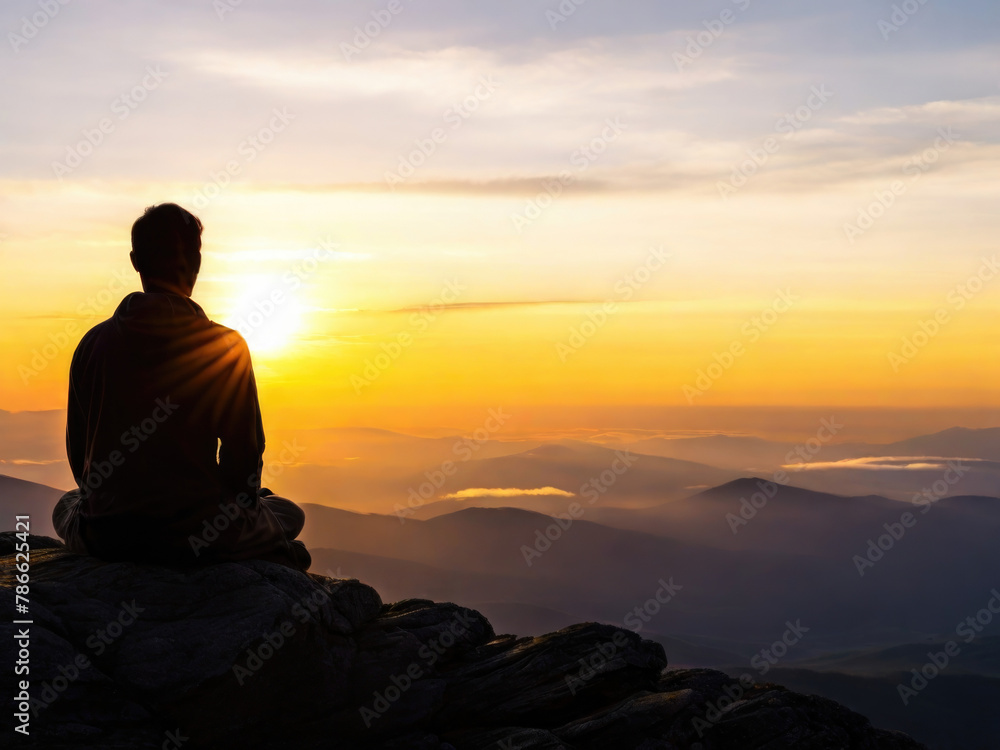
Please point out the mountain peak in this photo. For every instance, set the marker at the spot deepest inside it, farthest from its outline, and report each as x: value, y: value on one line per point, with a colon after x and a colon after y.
x: 742, y: 485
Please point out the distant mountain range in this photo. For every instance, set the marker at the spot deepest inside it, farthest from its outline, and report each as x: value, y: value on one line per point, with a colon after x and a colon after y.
x: 599, y: 561
x: 793, y: 560
x: 19, y: 498
x: 747, y: 453
x: 373, y: 470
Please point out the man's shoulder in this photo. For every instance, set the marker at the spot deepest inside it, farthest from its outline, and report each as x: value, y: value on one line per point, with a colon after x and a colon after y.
x: 93, y: 334
x: 228, y: 346
x: 231, y: 337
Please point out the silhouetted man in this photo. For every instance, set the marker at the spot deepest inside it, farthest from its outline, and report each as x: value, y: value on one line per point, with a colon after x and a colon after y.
x: 163, y: 431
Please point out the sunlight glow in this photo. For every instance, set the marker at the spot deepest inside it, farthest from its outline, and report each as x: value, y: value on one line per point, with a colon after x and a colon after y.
x: 267, y: 314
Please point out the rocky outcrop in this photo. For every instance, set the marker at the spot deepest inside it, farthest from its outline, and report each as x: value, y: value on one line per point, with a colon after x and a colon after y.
x: 255, y: 655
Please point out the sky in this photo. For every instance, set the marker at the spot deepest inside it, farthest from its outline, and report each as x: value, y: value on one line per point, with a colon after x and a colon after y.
x: 427, y: 208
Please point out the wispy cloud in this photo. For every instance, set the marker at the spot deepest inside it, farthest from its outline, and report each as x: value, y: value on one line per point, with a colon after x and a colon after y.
x: 506, y: 492
x: 27, y: 462
x: 494, y: 305
x: 264, y: 255
x: 895, y: 463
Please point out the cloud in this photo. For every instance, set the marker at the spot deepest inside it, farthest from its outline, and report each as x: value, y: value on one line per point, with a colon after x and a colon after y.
x: 284, y: 256
x: 356, y: 118
x: 506, y: 492
x: 494, y: 305
x: 28, y: 462
x: 507, y: 186
x: 983, y: 109
x: 894, y: 463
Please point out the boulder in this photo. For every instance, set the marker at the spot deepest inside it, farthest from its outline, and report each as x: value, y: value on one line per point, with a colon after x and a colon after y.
x: 257, y: 655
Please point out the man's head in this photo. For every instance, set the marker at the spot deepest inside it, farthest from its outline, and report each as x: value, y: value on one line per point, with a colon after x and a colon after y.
x: 166, y: 249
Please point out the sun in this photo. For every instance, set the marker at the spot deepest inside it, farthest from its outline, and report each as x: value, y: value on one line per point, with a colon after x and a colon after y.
x: 267, y: 313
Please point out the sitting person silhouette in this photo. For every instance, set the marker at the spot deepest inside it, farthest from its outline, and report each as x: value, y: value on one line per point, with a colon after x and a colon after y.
x: 163, y: 430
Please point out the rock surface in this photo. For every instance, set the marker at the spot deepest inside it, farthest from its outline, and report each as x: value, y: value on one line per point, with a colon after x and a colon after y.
x: 255, y: 655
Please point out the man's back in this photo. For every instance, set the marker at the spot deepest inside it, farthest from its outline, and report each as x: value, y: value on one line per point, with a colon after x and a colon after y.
x: 152, y: 392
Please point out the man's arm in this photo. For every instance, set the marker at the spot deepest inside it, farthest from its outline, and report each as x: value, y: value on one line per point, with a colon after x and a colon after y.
x: 76, y: 421
x: 241, y: 428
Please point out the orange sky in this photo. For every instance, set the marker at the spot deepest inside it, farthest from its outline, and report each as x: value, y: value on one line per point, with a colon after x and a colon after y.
x: 369, y: 321
x: 563, y: 233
